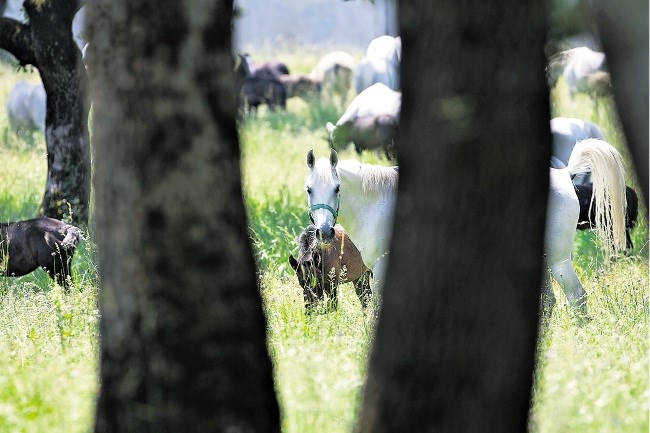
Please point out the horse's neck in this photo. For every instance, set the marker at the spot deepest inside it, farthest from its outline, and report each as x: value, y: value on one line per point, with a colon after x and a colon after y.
x: 354, y: 200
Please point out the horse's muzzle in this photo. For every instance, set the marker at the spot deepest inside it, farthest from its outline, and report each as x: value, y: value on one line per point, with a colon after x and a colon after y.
x: 325, y: 233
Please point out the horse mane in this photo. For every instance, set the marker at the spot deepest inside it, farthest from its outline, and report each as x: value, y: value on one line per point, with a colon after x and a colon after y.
x: 375, y: 179
x: 308, y: 243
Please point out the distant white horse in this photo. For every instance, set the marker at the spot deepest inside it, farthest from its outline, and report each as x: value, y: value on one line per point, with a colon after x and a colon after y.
x: 334, y: 72
x: 583, y: 69
x: 361, y: 197
x: 606, y: 166
x: 385, y: 47
x: 381, y: 64
x: 26, y: 108
x: 376, y: 102
x: 567, y: 131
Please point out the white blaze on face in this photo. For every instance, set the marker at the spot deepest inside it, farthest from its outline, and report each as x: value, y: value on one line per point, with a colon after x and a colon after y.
x: 322, y: 187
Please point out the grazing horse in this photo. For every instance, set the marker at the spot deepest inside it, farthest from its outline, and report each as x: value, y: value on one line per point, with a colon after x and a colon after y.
x: 359, y: 196
x: 45, y: 243
x: 606, y: 167
x: 584, y: 70
x: 587, y: 219
x: 321, y: 268
x: 334, y: 72
x: 370, y: 121
x: 259, y: 85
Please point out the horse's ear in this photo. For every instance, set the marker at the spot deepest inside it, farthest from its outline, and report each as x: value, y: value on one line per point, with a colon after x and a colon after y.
x: 334, y: 158
x: 310, y: 159
x: 293, y: 262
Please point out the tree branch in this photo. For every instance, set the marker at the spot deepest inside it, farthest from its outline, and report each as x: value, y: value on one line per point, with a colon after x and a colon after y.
x: 16, y: 38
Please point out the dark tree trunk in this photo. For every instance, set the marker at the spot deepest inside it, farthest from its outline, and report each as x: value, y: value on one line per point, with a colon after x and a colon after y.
x: 183, y: 344
x: 46, y: 43
x: 623, y: 29
x: 455, y: 342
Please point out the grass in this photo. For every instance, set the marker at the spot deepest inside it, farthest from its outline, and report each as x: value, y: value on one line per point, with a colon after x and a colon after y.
x: 592, y: 376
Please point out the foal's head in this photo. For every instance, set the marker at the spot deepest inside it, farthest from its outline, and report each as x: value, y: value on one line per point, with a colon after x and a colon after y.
x: 308, y: 267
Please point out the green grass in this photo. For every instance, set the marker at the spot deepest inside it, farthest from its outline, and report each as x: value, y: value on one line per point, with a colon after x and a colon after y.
x: 592, y: 377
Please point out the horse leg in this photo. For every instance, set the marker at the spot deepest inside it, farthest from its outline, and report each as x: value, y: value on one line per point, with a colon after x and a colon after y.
x: 547, y: 301
x: 378, y: 272
x: 333, y: 296
x: 566, y: 276
x: 63, y: 277
x: 362, y: 288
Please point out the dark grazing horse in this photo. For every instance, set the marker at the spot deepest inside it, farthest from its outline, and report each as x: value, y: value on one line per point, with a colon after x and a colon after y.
x: 587, y: 217
x: 45, y: 243
x: 255, y: 86
x: 321, y: 267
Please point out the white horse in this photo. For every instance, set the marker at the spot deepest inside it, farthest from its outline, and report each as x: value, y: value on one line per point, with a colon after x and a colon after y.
x: 334, y: 72
x: 385, y: 47
x: 606, y: 167
x: 381, y: 64
x: 26, y: 108
x: 376, y: 101
x: 361, y: 197
x: 567, y: 131
x: 583, y: 69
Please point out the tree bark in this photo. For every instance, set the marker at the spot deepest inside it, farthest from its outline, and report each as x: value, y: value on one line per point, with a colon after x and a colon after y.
x: 623, y: 29
x: 456, y: 337
x: 46, y: 43
x: 183, y: 343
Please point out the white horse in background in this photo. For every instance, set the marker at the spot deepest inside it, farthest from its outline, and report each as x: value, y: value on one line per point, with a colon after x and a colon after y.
x: 583, y: 69
x: 361, y: 197
x: 566, y: 132
x: 26, y: 107
x: 377, y: 101
x: 381, y: 64
x: 385, y: 47
x: 334, y: 72
x: 606, y: 167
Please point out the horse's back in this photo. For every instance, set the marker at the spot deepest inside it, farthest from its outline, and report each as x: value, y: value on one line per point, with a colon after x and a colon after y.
x: 567, y: 131
x: 376, y: 100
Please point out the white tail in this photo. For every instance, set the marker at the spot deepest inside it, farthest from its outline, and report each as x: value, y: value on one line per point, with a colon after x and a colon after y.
x: 607, y: 174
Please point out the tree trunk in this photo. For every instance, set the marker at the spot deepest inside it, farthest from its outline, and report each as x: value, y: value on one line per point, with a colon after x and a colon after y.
x: 455, y: 341
x: 623, y: 28
x: 46, y: 43
x: 183, y: 343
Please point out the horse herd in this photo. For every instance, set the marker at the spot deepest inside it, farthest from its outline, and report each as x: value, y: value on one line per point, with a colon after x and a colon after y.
x: 586, y: 191
x: 351, y: 204
x: 372, y: 118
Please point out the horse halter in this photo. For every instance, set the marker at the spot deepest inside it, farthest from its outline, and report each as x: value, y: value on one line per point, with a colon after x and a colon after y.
x: 335, y: 213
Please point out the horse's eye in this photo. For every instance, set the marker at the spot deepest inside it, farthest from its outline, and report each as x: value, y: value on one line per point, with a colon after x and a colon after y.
x: 337, y: 189
x: 309, y: 190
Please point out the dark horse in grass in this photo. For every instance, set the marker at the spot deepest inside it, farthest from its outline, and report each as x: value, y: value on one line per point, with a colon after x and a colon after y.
x: 44, y: 243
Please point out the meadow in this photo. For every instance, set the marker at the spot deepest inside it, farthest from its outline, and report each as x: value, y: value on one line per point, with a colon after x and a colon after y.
x: 591, y: 377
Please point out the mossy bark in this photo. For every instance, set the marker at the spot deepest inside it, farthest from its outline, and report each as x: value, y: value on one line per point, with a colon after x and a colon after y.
x: 183, y: 343
x: 455, y: 342
x: 46, y: 43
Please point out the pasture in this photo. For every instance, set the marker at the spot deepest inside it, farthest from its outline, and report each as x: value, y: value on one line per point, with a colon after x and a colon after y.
x: 591, y: 376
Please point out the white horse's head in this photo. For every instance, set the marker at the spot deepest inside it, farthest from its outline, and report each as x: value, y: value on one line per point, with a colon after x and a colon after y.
x: 323, y: 194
